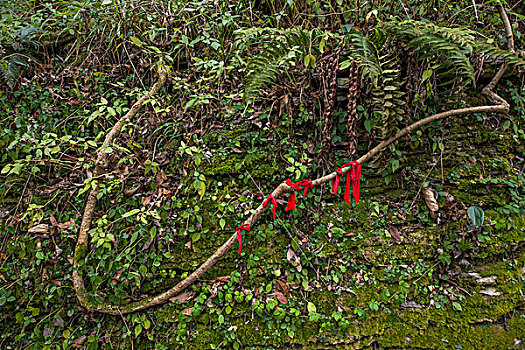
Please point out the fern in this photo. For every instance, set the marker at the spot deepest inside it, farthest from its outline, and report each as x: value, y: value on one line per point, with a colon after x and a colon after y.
x: 365, y: 54
x: 286, y: 48
x: 498, y: 54
x: 387, y: 98
x: 18, y: 54
x: 10, y: 67
x: 264, y: 69
x: 445, y: 54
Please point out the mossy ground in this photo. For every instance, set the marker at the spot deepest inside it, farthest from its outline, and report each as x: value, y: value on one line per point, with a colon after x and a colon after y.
x: 370, y: 253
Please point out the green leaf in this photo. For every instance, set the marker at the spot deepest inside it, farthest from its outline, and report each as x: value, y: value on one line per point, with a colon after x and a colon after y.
x: 138, y: 330
x: 369, y: 124
x: 306, y: 61
x: 131, y: 213
x: 222, y: 223
x: 143, y: 270
x: 311, y: 307
x: 147, y: 324
x: 136, y: 41
x: 345, y: 64
x: 196, y: 236
x: 322, y: 44
x: 476, y: 215
x: 309, y: 60
x: 456, y: 306
x: 426, y: 74
x: 153, y: 232
x: 111, y: 111
x: 395, y: 165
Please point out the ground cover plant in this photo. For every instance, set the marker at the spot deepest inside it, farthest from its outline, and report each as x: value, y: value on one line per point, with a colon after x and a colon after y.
x: 142, y: 141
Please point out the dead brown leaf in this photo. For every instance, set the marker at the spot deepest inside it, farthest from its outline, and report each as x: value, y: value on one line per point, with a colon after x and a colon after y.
x: 283, y: 287
x: 280, y: 296
x: 53, y: 220
x: 395, y: 234
x: 39, y: 229
x: 79, y: 342
x: 160, y: 177
x: 430, y: 199
x: 182, y: 297
x: 222, y: 279
x: 294, y: 260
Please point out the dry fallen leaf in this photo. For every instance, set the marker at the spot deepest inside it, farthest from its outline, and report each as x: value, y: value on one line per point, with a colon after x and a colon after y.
x: 39, y: 229
x: 283, y: 287
x: 395, y: 234
x: 430, y: 199
x: 160, y: 177
x: 280, y: 296
x: 53, y: 220
x: 491, y: 292
x: 77, y: 343
x: 294, y: 260
x: 182, y: 297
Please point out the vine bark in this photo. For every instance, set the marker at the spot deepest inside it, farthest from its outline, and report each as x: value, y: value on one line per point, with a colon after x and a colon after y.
x: 500, y: 106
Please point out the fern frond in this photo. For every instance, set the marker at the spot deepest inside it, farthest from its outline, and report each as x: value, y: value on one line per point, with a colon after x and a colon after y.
x: 498, y: 54
x: 365, y: 54
x: 284, y: 48
x: 440, y: 50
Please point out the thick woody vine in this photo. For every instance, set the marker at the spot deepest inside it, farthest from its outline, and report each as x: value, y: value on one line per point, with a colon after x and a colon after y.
x: 352, y: 169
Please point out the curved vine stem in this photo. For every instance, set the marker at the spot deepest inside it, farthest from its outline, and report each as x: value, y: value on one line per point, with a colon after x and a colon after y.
x: 500, y: 106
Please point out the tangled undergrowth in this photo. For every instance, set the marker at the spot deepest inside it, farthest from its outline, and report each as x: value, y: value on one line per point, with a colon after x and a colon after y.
x: 259, y: 92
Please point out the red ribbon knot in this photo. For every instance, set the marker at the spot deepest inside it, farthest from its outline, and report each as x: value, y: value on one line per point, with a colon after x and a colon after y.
x: 271, y: 199
x: 305, y: 184
x: 353, y: 179
x: 245, y: 227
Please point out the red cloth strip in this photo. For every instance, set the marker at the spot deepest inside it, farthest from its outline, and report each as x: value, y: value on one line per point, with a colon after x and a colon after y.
x: 335, y: 182
x: 291, y: 202
x: 353, y: 179
x: 271, y: 199
x: 245, y: 227
x: 305, y: 184
x: 356, y: 180
x: 347, y: 188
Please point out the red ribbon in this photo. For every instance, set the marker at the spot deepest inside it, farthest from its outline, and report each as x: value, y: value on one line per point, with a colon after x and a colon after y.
x: 271, y: 199
x: 356, y: 180
x: 245, y: 227
x: 305, y: 184
x: 335, y: 182
x: 353, y: 179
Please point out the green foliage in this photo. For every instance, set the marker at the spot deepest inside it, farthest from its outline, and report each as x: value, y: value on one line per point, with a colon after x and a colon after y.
x: 197, y: 160
x: 16, y: 53
x: 280, y: 49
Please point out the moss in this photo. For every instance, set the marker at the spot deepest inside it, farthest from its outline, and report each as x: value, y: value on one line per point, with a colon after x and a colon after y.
x: 80, y: 254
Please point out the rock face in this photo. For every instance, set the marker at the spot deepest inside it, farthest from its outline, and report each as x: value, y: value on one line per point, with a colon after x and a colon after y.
x: 445, y: 284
